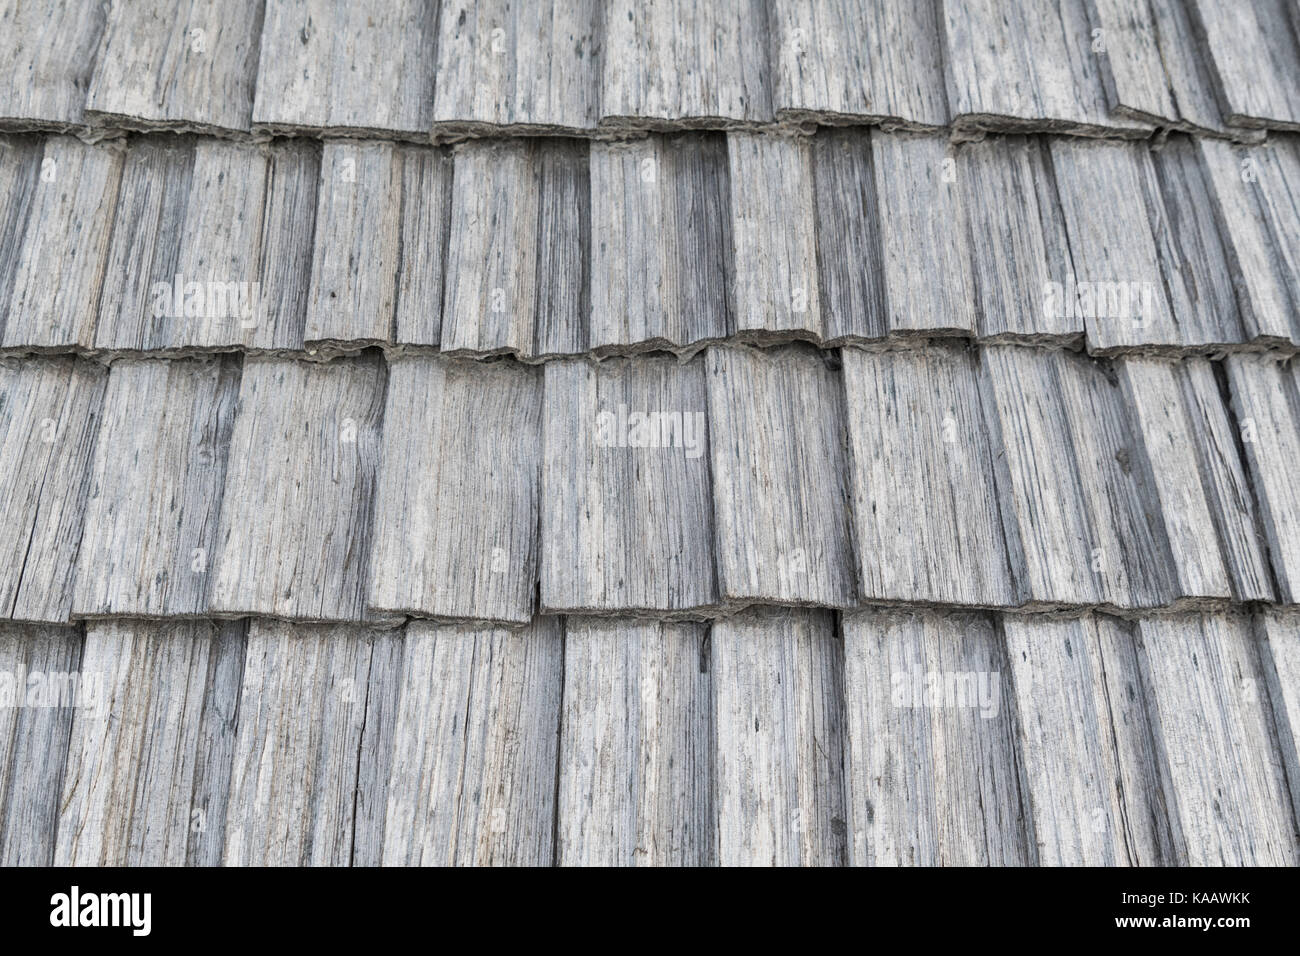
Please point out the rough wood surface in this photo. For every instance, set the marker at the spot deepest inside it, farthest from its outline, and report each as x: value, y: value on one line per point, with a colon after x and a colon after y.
x: 781, y: 484
x: 456, y: 512
x: 347, y: 67
x: 176, y: 64
x: 661, y: 249
x: 627, y: 504
x: 1224, y: 773
x: 529, y: 67
x: 41, y: 689
x: 148, y: 766
x: 64, y: 248
x: 636, y: 744
x: 49, y: 412
x: 778, y: 679
x: 20, y: 163
x: 1086, y: 743
x: 426, y: 221
x: 931, y: 768
x: 473, y: 771
x: 1256, y: 59
x: 155, y: 491
x: 925, y: 505
x: 294, y: 536
x: 1278, y: 630
x: 47, y: 52
x: 563, y: 243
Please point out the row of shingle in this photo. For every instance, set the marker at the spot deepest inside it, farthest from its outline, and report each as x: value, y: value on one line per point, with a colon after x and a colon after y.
x: 359, y: 489
x: 416, y: 66
x: 776, y: 737
x: 549, y: 247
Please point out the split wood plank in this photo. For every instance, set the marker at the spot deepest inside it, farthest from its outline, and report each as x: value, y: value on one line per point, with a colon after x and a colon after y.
x: 627, y: 504
x: 456, y: 514
x: 778, y: 679
x: 636, y: 741
x: 176, y: 64
x: 932, y: 772
x: 295, y: 527
x: 49, y: 414
x: 475, y: 747
x: 20, y: 163
x: 781, y: 484
x: 155, y: 492
x: 149, y: 764
x: 1086, y: 743
x: 48, y: 53
x: 347, y: 68
x: 1278, y: 630
x: 1256, y: 60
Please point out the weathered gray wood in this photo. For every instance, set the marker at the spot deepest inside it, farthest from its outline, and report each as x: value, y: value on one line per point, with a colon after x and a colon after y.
x: 1266, y: 402
x: 288, y: 230
x: 926, y: 264
x: 426, y: 221
x: 661, y: 222
x: 176, y: 64
x: 1256, y: 201
x: 925, y: 505
x: 295, y: 528
x: 41, y: 687
x: 1026, y: 66
x: 1256, y: 60
x: 49, y: 412
x: 474, y: 762
x: 302, y: 714
x: 532, y: 67
x: 636, y: 744
x: 1086, y: 743
x: 456, y: 512
x: 931, y: 771
x: 627, y: 504
x: 1278, y: 630
x: 20, y: 163
x: 1017, y: 241
x: 64, y: 247
x: 781, y: 483
x: 678, y: 63
x: 848, y: 233
x: 1077, y: 488
x: 346, y: 67
x: 778, y: 679
x: 773, y: 228
x: 836, y: 61
x: 1201, y: 496
x: 47, y: 51
x: 1223, y: 771
x: 563, y: 241
x: 136, y: 791
x: 155, y: 492
x: 375, y: 752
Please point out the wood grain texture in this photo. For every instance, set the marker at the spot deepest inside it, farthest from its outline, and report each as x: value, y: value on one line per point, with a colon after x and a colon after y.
x: 64, y: 247
x: 1017, y: 241
x: 20, y: 163
x: 636, y: 742
x: 837, y: 62
x: 148, y: 766
x: 660, y: 259
x: 43, y: 82
x: 926, y: 509
x: 426, y: 222
x: 176, y: 64
x: 775, y: 237
x: 1224, y: 772
x: 1266, y: 403
x: 49, y: 413
x: 346, y: 68
x: 778, y: 679
x: 676, y: 63
x: 474, y: 762
x: 295, y: 527
x: 532, y: 67
x: 302, y: 717
x: 155, y: 491
x: 931, y: 769
x: 928, y: 287
x: 563, y: 244
x: 1278, y: 630
x: 781, y: 483
x: 456, y: 512
x: 627, y: 502
x: 41, y: 688
x: 1086, y: 743
x: 1256, y: 60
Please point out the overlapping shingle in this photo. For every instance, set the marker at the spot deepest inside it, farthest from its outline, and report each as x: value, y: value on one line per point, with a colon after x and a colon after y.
x: 1256, y: 60
x: 47, y: 53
